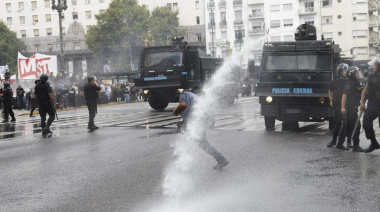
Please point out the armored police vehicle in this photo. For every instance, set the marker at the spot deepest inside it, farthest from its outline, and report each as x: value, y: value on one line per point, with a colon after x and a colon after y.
x: 166, y: 70
x: 294, y: 79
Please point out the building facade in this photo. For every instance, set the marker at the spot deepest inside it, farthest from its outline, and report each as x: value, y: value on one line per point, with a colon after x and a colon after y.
x: 37, y: 25
x: 191, y: 15
x: 353, y: 24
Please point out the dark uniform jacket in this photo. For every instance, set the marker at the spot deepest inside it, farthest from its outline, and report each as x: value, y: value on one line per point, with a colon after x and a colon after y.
x: 42, y: 91
x: 353, y: 89
x: 337, y: 87
x: 20, y: 92
x: 374, y: 89
x: 91, y: 92
x: 8, y: 95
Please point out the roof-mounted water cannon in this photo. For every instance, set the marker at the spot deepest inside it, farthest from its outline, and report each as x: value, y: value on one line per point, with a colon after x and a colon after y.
x: 305, y: 32
x: 178, y: 41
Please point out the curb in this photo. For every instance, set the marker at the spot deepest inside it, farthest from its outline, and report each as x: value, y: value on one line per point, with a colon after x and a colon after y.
x: 71, y: 108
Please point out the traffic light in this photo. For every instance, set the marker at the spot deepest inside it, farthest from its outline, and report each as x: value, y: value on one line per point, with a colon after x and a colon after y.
x: 352, y: 51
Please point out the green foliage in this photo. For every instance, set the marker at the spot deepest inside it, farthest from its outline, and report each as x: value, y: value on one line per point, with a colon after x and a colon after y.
x: 10, y: 45
x: 163, y: 25
x: 126, y: 24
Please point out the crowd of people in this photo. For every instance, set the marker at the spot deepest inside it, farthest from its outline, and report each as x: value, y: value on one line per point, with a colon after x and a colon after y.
x: 66, y: 96
x: 348, y: 94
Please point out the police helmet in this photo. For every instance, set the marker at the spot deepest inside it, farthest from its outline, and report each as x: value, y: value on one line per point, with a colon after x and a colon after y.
x: 44, y: 78
x: 6, y: 84
x: 342, y: 69
x: 351, y: 73
x: 374, y: 62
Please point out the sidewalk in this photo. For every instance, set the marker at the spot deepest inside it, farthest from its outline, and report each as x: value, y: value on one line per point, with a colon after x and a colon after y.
x: 27, y: 112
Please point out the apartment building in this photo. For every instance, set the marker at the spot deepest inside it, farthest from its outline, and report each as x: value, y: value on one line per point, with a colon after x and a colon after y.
x: 190, y: 14
x: 38, y: 26
x: 353, y: 24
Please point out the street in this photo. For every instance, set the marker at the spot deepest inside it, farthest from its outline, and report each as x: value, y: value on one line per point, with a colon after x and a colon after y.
x: 121, y: 166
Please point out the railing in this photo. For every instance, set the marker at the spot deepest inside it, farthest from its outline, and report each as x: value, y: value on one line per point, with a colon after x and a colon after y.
x: 239, y: 41
x: 238, y: 22
x: 372, y: 5
x: 237, y: 2
x: 222, y: 4
x: 223, y: 23
x: 373, y: 22
x: 211, y: 25
x: 251, y: 2
x: 374, y: 37
x: 306, y: 10
x: 256, y: 15
x: 211, y: 5
x: 257, y: 30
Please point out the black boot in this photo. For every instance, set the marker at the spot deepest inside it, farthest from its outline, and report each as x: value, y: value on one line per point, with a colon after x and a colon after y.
x: 340, y: 145
x: 5, y: 120
x: 332, y: 143
x: 374, y: 145
x: 47, y: 129
x: 357, y: 149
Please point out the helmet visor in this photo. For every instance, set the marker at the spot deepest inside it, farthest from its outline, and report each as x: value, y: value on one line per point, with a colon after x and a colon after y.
x: 374, y: 62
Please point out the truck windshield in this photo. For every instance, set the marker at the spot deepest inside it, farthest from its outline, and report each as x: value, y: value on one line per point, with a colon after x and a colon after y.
x: 295, y: 62
x: 163, y: 59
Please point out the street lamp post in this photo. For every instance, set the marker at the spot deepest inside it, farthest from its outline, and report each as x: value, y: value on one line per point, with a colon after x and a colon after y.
x: 60, y: 6
x: 239, y: 35
x: 212, y: 23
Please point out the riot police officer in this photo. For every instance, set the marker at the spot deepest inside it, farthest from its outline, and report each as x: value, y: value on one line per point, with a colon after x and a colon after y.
x: 91, y: 93
x: 373, y: 110
x: 45, y: 99
x: 7, y: 95
x: 335, y: 94
x: 350, y: 104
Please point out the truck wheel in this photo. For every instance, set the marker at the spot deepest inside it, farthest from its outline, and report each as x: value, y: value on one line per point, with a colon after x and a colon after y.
x: 158, y: 104
x: 269, y: 122
x: 331, y: 123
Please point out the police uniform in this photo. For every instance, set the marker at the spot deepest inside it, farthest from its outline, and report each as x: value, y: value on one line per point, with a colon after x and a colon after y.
x: 42, y: 91
x: 91, y: 95
x: 353, y: 90
x: 336, y: 87
x: 373, y: 110
x: 7, y: 97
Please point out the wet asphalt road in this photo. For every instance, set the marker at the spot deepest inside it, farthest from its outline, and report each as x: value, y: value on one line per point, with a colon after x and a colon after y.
x: 121, y: 168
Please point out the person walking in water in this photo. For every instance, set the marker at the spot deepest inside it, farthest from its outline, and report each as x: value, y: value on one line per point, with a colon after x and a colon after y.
x: 186, y: 102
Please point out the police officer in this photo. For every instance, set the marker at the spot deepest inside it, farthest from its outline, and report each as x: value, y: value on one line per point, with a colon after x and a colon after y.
x: 335, y: 94
x: 350, y: 104
x: 373, y: 110
x: 7, y: 95
x: 45, y: 99
x: 91, y: 93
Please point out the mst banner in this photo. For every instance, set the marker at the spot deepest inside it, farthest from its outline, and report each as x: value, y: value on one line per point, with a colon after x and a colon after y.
x: 34, y: 66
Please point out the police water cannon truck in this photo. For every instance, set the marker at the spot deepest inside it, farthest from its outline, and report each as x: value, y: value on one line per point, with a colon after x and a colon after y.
x: 294, y: 79
x: 166, y: 70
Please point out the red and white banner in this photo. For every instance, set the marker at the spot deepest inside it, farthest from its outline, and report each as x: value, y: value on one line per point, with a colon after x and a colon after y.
x: 34, y: 66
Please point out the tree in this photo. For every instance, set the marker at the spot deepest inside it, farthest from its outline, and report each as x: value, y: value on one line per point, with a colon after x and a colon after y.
x: 163, y: 24
x: 126, y: 24
x: 120, y: 27
x: 10, y: 45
